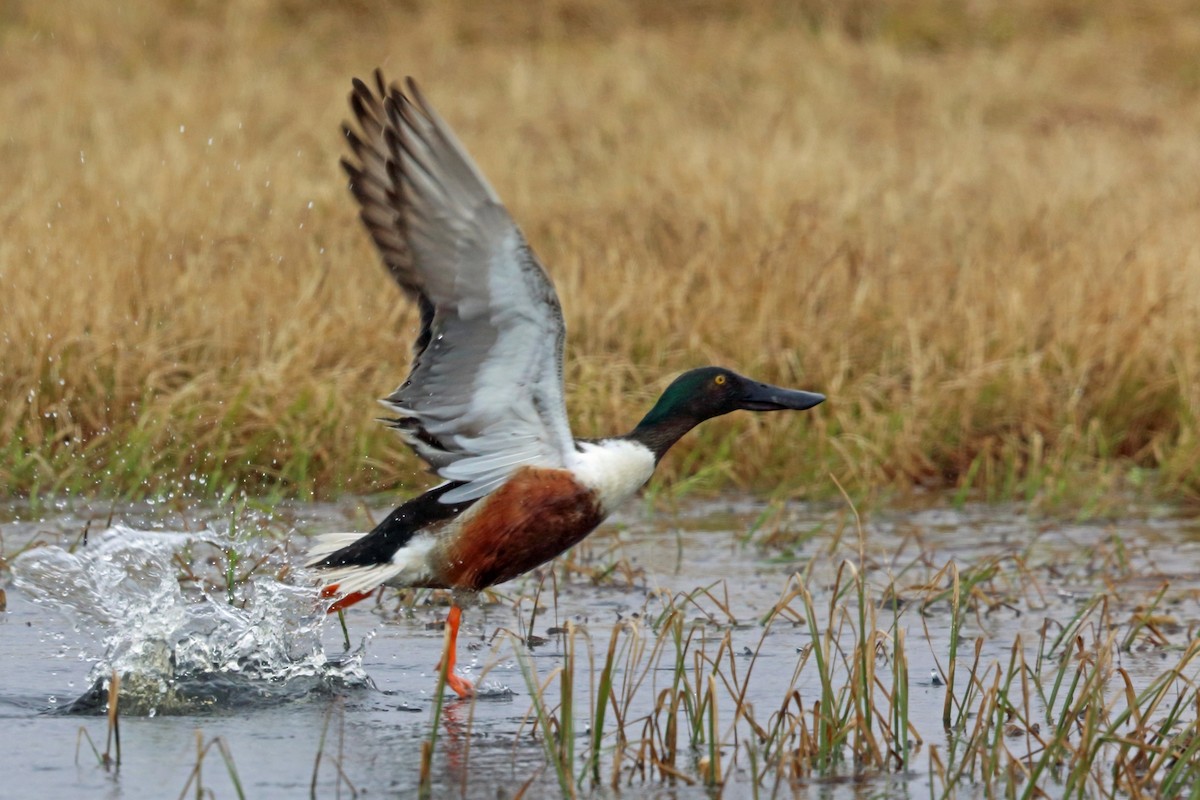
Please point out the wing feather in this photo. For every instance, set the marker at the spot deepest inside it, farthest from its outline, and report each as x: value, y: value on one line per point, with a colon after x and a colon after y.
x: 484, y: 392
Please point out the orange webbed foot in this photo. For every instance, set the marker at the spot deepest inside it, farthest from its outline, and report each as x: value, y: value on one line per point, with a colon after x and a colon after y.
x: 461, y: 686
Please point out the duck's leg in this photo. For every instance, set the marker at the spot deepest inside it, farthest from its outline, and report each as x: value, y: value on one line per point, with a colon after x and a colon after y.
x: 461, y: 686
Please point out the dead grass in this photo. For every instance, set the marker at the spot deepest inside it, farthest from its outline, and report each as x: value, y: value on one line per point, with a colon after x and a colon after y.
x: 972, y: 225
x: 1061, y: 714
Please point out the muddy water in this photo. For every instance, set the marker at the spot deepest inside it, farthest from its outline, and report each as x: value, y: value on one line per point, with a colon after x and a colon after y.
x: 236, y: 657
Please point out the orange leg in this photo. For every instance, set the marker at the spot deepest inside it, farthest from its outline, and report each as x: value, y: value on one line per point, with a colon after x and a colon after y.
x: 461, y: 686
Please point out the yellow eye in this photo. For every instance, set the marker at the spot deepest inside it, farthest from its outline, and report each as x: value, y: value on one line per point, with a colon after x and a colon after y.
x: 719, y: 380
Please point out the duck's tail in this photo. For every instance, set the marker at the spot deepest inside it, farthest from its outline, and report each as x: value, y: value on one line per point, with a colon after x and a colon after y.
x: 348, y: 582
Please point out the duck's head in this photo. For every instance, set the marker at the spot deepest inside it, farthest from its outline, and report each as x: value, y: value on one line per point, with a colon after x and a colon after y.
x: 708, y: 392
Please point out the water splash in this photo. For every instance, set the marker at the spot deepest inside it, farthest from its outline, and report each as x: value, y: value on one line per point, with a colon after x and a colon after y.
x: 184, y: 650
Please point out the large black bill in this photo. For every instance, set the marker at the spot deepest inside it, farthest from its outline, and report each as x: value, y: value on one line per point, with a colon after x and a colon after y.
x: 765, y: 397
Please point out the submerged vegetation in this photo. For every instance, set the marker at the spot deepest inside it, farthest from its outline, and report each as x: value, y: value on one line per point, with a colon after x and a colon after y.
x: 971, y: 225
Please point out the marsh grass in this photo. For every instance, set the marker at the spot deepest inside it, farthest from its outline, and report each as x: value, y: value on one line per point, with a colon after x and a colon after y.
x: 972, y: 225
x: 338, y: 758
x: 672, y: 701
x: 195, y: 782
x: 1098, y: 698
x: 110, y: 759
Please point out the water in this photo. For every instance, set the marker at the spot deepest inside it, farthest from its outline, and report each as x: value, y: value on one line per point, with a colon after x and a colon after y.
x: 180, y: 651
x: 229, y: 651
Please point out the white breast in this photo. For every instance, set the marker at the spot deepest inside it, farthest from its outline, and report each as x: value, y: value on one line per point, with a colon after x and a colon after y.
x: 614, y: 469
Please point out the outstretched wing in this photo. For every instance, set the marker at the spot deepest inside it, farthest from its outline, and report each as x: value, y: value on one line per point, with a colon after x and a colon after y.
x: 484, y: 395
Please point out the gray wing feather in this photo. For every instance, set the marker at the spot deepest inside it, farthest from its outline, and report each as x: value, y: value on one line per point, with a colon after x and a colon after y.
x: 484, y: 394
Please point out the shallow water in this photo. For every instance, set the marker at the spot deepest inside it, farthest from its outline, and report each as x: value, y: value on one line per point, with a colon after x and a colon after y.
x: 249, y: 661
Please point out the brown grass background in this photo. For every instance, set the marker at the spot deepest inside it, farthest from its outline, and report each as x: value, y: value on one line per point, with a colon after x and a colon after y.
x: 973, y: 225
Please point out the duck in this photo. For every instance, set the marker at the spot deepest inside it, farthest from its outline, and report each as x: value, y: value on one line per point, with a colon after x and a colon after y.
x: 483, y: 403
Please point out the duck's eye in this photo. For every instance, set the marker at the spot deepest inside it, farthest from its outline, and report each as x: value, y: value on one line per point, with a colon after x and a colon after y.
x: 719, y: 380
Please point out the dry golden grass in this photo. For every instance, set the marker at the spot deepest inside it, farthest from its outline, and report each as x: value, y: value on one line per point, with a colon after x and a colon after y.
x: 974, y: 226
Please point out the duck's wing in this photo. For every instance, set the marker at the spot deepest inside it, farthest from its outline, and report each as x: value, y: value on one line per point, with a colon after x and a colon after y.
x: 484, y: 395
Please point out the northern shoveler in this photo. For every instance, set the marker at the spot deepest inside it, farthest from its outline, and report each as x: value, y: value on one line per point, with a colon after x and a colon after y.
x: 483, y: 401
